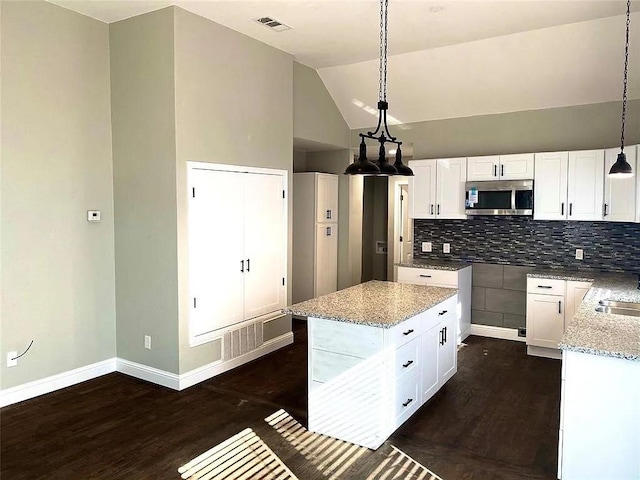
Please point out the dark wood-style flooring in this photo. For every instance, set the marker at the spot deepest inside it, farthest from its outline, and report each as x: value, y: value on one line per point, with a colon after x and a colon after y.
x: 497, y: 418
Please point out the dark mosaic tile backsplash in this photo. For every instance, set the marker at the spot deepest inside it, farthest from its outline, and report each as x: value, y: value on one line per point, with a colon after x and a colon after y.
x: 608, y: 246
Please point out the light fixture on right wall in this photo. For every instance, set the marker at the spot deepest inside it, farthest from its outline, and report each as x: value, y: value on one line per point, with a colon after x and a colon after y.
x: 622, y: 169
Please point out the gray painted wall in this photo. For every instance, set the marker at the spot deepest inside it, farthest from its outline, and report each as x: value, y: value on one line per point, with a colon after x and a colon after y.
x: 315, y: 115
x: 144, y: 179
x: 578, y: 127
x: 234, y: 105
x: 58, y: 269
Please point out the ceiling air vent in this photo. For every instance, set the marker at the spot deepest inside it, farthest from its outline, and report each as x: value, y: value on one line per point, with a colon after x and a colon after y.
x: 272, y: 24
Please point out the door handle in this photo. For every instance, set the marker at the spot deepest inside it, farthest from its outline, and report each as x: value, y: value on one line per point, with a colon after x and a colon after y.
x: 562, y: 209
x: 409, y: 400
x: 441, y: 342
x: 604, y: 210
x: 559, y: 306
x: 425, y: 276
x: 405, y: 365
x: 442, y: 312
x: 328, y: 214
x: 432, y: 209
x: 495, y: 170
x: 408, y: 332
x: 502, y: 170
x: 328, y: 231
x: 570, y: 209
x: 242, y: 266
x: 248, y: 264
x: 445, y: 334
x: 544, y: 286
x: 438, y: 213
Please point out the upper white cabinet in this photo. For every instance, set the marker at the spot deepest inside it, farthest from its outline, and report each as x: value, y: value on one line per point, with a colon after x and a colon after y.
x: 501, y: 167
x: 569, y: 185
x: 619, y: 193
x: 550, y: 186
x: 437, y: 188
x: 326, y: 198
x: 237, y: 248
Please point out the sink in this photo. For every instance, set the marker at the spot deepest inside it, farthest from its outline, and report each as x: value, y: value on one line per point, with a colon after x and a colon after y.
x: 619, y: 308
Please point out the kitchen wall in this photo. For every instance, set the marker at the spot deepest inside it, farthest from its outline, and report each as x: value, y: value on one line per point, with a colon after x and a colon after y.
x: 608, y: 246
x: 58, y: 269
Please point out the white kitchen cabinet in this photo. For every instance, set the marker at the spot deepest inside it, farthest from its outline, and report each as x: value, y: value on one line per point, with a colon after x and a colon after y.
x: 550, y: 186
x: 437, y: 188
x: 569, y: 185
x: 585, y: 187
x: 237, y: 248
x: 599, y: 418
x: 619, y: 193
x: 460, y: 279
x: 365, y: 381
x: 573, y: 298
x: 501, y: 167
x: 551, y: 305
x: 315, y: 235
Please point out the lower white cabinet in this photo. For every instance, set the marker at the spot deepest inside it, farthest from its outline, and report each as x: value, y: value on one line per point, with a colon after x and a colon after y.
x: 551, y: 305
x: 460, y: 279
x: 365, y: 381
x: 599, y: 418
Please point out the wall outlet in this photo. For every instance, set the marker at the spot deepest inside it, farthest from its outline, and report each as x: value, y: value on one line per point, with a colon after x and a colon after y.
x: 93, y: 215
x: 446, y: 248
x: 579, y: 254
x: 12, y: 361
x: 427, y: 246
x: 147, y: 342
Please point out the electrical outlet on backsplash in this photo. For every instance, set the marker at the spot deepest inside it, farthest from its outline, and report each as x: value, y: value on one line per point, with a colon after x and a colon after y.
x: 611, y: 246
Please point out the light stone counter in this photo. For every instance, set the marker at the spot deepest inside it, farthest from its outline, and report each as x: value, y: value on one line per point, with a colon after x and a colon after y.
x: 374, y: 303
x: 452, y: 266
x: 599, y: 333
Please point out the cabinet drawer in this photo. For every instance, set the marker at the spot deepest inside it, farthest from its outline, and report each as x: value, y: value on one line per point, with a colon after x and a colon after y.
x: 407, y: 399
x: 426, y: 276
x: 404, y: 332
x: 545, y: 286
x: 407, y: 359
x: 435, y: 315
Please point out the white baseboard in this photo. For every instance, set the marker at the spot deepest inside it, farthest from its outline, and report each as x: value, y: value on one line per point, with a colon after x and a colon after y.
x: 496, y: 332
x: 50, y: 384
x: 205, y: 372
x: 12, y: 395
x: 150, y: 374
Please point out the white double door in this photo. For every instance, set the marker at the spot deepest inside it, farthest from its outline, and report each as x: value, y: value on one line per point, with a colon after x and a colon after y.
x: 237, y: 247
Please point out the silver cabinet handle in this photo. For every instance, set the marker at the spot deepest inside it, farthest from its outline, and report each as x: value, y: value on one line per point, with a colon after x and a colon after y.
x: 242, y: 266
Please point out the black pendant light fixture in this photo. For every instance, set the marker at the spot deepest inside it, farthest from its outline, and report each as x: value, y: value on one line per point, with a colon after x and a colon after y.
x: 622, y: 169
x: 362, y: 166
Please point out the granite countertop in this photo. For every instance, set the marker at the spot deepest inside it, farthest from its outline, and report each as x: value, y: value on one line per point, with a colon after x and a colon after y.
x: 599, y: 333
x: 451, y: 265
x: 374, y: 303
x: 562, y: 275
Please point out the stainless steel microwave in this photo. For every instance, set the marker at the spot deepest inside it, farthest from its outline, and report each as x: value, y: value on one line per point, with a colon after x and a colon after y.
x: 501, y: 197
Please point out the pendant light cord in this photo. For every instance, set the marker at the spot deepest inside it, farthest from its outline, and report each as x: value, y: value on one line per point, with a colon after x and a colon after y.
x: 382, y: 93
x: 626, y: 65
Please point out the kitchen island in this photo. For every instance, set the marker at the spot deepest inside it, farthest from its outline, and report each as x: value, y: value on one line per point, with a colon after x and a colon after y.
x: 377, y: 352
x: 600, y: 407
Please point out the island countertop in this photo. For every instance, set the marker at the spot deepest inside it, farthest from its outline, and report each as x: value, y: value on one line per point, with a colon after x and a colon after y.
x: 374, y: 303
x: 599, y: 333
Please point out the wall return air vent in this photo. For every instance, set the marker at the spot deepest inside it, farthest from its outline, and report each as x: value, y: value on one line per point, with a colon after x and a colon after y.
x: 272, y: 24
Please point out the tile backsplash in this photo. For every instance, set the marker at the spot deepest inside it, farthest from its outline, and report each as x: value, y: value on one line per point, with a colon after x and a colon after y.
x: 608, y: 246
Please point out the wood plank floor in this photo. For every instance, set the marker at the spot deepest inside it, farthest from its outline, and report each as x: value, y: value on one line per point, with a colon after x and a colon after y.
x: 497, y: 418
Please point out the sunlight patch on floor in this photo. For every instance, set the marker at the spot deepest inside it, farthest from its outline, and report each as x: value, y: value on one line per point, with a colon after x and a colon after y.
x: 398, y: 465
x: 242, y: 457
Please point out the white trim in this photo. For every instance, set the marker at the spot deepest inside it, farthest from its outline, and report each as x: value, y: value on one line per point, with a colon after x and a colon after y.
x: 205, y: 372
x: 12, y: 395
x: 544, y: 352
x: 150, y: 374
x: 221, y: 167
x: 496, y: 332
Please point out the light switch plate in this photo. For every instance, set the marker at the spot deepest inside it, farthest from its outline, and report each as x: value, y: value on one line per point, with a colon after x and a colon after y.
x: 427, y: 246
x: 446, y: 248
x: 147, y: 342
x: 579, y: 254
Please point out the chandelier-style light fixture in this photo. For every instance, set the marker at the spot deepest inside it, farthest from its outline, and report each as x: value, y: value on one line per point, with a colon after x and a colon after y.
x: 622, y: 169
x: 362, y: 166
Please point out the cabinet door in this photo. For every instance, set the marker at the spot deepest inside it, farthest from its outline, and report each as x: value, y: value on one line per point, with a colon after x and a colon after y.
x: 483, y: 168
x: 545, y: 320
x: 422, y: 189
x: 619, y: 193
x: 430, y: 370
x: 575, y: 293
x: 327, y: 198
x: 450, y: 191
x: 550, y: 186
x: 326, y: 262
x: 447, y: 355
x: 516, y: 167
x: 216, y: 276
x: 585, y: 190
x: 265, y: 243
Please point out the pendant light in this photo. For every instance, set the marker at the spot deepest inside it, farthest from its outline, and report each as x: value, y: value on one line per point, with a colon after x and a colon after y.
x: 622, y: 169
x: 362, y: 166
